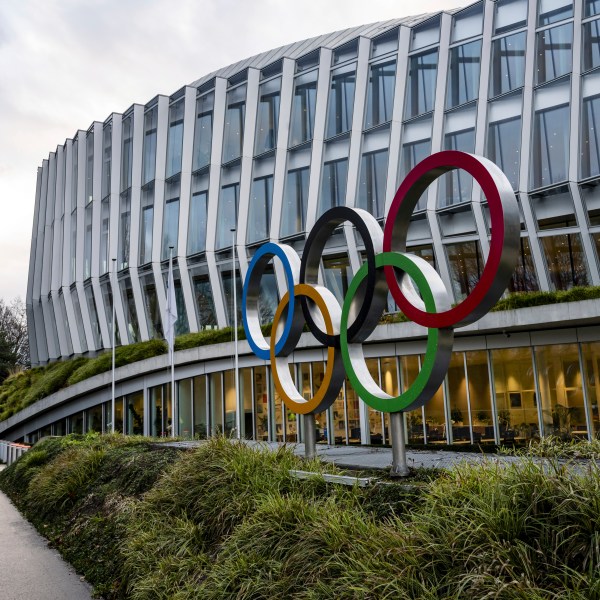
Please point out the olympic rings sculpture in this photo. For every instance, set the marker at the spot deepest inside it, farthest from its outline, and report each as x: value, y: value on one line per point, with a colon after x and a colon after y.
x: 388, y: 267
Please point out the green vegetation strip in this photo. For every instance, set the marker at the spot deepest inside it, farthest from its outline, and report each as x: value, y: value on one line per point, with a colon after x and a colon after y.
x: 142, y: 521
x: 22, y: 389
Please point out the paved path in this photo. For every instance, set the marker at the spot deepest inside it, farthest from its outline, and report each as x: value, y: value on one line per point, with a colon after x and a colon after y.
x: 29, y: 569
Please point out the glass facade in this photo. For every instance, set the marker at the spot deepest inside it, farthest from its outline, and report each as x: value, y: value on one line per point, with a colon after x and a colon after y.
x: 149, y: 152
x: 175, y: 138
x: 380, y: 94
x: 333, y: 184
x: 267, y: 119
x: 554, y: 52
x: 341, y: 102
x: 508, y: 63
x: 233, y: 137
x: 203, y: 131
x: 372, y: 181
x: 303, y: 108
x: 295, y: 199
x: 228, y: 214
x: 259, y: 216
x: 420, y: 91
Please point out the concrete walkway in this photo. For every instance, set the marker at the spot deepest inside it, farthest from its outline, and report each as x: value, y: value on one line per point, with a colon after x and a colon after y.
x: 29, y: 569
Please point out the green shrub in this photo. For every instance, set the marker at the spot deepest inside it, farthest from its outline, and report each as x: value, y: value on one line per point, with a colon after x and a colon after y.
x: 527, y: 299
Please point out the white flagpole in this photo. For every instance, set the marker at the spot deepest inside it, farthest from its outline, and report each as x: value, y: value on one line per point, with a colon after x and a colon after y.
x: 172, y: 317
x: 114, y: 337
x: 238, y: 411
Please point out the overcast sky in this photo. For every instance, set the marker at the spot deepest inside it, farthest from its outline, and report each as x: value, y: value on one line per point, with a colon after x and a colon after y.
x: 66, y: 63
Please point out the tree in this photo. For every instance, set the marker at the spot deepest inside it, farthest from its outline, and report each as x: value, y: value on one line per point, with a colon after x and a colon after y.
x: 14, y: 341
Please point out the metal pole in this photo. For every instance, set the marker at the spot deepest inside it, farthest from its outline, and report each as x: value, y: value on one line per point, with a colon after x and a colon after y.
x: 114, y: 337
x: 174, y: 416
x: 310, y: 437
x: 399, y: 466
x: 238, y: 408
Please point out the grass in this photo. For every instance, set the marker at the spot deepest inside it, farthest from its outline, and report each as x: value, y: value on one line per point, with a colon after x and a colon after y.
x: 228, y: 521
x: 554, y: 447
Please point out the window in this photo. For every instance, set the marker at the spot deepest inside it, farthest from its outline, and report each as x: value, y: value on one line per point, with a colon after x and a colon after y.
x: 385, y: 43
x: 233, y: 137
x: 554, y: 208
x: 106, y: 159
x: 337, y: 275
x: 181, y: 324
x: 551, y: 11
x: 524, y: 278
x: 73, y: 245
x: 259, y: 217
x: 104, y: 230
x: 590, y: 137
x: 504, y: 147
x: 94, y: 322
x: 413, y: 154
x: 303, y: 108
x: 124, y: 230
x: 508, y: 63
x: 591, y: 45
x: 203, y: 131
x: 170, y: 228
x: 89, y: 167
x: 426, y: 34
x: 463, y: 82
x: 565, y: 260
x: 205, y: 307
x: 147, y: 225
x: 227, y: 215
x: 175, y: 138
x: 197, y: 224
x: 149, y: 157
x: 228, y: 296
x: 295, y: 199
x: 468, y: 23
x: 550, y: 152
x: 510, y: 14
x: 126, y: 153
x: 152, y: 308
x: 422, y: 73
x: 79, y: 320
x: 456, y: 186
x: 592, y: 7
x: 268, y: 116
x: 341, y: 103
x: 333, y: 184
x: 107, y: 300
x: 373, y: 176
x: 74, y: 173
x: 346, y: 52
x: 131, y: 321
x: 466, y: 265
x: 554, y: 52
x: 380, y: 94
x: 87, y: 243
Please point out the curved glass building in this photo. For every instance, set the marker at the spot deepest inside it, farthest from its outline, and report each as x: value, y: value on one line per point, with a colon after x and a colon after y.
x: 266, y: 145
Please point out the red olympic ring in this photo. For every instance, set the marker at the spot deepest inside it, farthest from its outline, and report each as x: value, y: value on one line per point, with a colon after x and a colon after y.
x: 504, y: 214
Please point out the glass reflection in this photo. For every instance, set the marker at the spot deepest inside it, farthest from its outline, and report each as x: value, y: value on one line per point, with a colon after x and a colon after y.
x: 380, y: 94
x: 259, y: 217
x: 372, y: 182
x: 456, y: 186
x: 466, y: 265
x: 504, y: 147
x: 267, y: 117
x: 303, y: 108
x: 524, y: 278
x: 295, y: 200
x: 590, y: 140
x: 508, y: 63
x: 554, y: 52
x: 341, y: 103
x: 412, y: 154
x: 175, y: 138
x: 333, y: 184
x: 463, y: 80
x: 420, y: 93
x: 203, y: 131
x: 227, y: 215
x: 565, y: 260
x: 233, y: 136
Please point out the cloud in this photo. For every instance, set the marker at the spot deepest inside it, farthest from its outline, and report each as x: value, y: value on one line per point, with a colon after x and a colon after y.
x: 66, y: 63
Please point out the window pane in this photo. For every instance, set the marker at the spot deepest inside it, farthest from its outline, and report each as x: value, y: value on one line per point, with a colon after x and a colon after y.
x: 554, y: 52
x: 552, y: 11
x: 204, y: 302
x: 508, y: 63
x: 510, y: 14
x: 268, y: 298
x: 457, y: 399
x: 146, y: 234
x: 170, y: 228
x: 590, y: 140
x: 303, y: 108
x: 131, y: 320
x: 228, y: 296
x: 463, y: 81
x: 565, y: 261
x: 341, y: 103
x: 504, y: 147
x: 388, y: 42
x: 87, y: 249
x: 516, y: 398
x: 203, y: 132
x: 426, y: 34
x: 457, y: 185
x: 268, y: 116
x: 152, y: 308
x: 480, y: 397
x: 591, y: 45
x: 524, y: 278
x: 380, y: 94
x: 550, y: 152
x: 591, y: 361
x: 135, y: 413
x: 422, y: 73
x: 175, y: 138
x: 106, y: 159
x: 337, y: 276
x: 333, y: 185
x: 104, y: 227
x: 295, y: 198
x: 149, y: 162
x: 373, y: 176
x: 93, y: 311
x: 197, y: 225
x: 259, y: 217
x: 181, y: 324
x: 592, y: 7
x: 233, y: 137
x: 413, y: 154
x: 466, y: 264
x: 554, y: 208
x: 126, y: 153
x: 200, y: 418
x: 124, y: 230
x: 227, y: 216
x: 468, y: 23
x: 89, y: 167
